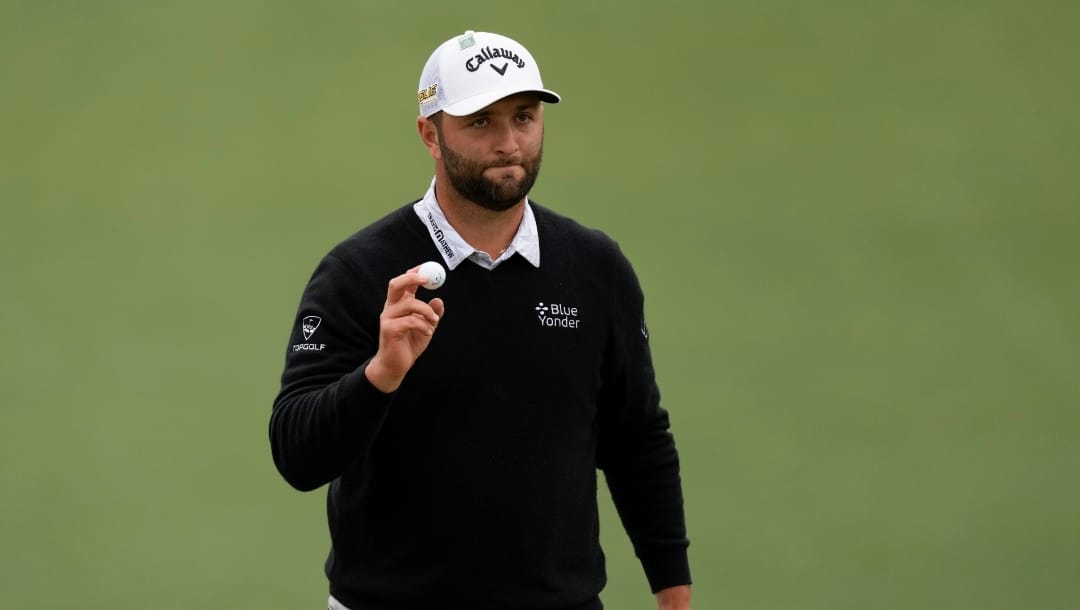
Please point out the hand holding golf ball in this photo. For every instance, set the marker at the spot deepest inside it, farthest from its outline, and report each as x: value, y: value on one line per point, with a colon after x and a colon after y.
x: 406, y: 325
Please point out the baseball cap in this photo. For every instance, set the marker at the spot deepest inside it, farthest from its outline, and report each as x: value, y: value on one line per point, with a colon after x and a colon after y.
x: 476, y: 69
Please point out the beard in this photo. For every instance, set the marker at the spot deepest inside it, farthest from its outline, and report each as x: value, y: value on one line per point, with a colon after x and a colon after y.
x: 467, y: 177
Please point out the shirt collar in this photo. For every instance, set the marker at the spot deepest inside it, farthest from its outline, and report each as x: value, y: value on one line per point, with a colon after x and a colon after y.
x: 454, y: 249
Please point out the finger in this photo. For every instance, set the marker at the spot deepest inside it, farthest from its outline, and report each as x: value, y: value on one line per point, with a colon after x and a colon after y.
x: 438, y: 307
x: 403, y: 286
x: 398, y: 327
x: 409, y: 307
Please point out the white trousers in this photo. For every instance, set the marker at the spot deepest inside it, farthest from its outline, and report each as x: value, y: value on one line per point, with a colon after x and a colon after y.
x: 333, y: 604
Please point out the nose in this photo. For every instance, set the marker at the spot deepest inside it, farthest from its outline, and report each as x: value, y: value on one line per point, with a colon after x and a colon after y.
x: 506, y: 143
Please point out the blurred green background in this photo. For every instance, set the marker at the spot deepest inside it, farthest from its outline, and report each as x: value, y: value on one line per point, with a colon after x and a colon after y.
x: 856, y: 224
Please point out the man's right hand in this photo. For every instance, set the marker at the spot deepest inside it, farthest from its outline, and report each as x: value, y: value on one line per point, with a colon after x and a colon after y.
x: 405, y: 329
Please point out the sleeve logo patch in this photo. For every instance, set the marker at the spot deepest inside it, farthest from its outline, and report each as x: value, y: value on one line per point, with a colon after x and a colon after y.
x: 310, y: 325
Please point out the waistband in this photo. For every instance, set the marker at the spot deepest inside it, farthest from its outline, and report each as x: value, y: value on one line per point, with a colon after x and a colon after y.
x: 334, y: 604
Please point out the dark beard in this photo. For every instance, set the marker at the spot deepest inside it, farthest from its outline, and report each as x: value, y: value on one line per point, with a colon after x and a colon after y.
x: 467, y: 177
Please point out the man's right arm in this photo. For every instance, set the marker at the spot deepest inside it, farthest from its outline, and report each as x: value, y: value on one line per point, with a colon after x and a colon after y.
x: 339, y: 377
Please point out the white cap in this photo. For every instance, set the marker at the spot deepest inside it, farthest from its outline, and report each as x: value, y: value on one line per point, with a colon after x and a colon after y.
x: 476, y: 69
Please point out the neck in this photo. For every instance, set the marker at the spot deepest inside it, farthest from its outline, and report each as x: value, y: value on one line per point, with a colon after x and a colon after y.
x: 486, y: 230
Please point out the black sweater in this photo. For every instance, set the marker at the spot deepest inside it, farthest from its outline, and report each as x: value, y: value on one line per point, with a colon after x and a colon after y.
x: 474, y: 484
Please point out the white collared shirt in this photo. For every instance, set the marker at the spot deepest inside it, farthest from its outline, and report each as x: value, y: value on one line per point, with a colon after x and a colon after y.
x: 454, y: 249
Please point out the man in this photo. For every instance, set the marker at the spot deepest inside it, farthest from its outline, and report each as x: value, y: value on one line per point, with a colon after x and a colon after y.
x: 460, y: 435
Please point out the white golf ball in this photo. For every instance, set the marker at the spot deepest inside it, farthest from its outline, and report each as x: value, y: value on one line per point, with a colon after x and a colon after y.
x: 436, y: 275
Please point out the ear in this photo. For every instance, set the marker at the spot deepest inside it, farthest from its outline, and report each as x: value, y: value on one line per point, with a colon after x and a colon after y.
x: 429, y: 135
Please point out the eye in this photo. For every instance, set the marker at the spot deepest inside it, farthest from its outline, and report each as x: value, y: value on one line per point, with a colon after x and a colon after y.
x: 480, y: 122
x: 524, y: 117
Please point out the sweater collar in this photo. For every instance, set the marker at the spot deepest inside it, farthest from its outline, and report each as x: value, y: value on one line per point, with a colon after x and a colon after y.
x: 454, y: 249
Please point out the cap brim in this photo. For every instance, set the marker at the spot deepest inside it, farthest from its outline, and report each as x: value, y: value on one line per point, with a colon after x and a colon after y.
x: 476, y: 103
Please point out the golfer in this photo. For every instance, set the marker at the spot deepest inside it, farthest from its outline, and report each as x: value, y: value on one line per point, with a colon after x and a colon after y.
x: 460, y: 430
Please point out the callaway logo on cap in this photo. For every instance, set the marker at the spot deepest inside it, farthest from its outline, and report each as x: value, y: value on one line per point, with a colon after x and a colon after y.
x: 476, y: 69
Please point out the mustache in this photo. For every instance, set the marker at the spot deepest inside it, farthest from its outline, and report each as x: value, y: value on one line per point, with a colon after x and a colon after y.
x: 508, y: 162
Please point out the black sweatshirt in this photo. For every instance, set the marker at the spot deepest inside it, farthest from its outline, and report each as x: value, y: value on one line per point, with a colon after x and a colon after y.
x: 473, y: 486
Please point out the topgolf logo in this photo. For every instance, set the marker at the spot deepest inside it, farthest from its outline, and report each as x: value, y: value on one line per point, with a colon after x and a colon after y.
x: 309, y: 325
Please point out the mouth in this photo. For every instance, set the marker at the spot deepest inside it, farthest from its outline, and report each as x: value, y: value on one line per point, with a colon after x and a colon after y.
x: 507, y: 173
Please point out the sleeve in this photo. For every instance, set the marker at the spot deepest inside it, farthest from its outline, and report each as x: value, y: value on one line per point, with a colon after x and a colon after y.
x: 635, y: 449
x: 327, y: 414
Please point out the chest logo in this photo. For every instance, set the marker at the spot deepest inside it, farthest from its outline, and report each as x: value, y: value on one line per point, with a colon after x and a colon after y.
x: 557, y: 315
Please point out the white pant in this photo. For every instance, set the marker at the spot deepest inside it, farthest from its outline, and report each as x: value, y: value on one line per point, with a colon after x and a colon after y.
x: 333, y: 604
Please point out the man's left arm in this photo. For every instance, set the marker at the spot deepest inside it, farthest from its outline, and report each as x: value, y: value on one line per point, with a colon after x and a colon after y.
x: 636, y: 449
x: 673, y: 598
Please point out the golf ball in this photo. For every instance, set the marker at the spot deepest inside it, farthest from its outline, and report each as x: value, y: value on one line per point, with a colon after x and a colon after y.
x: 436, y: 275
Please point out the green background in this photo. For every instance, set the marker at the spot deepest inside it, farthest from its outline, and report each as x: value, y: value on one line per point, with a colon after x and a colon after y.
x: 856, y: 224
